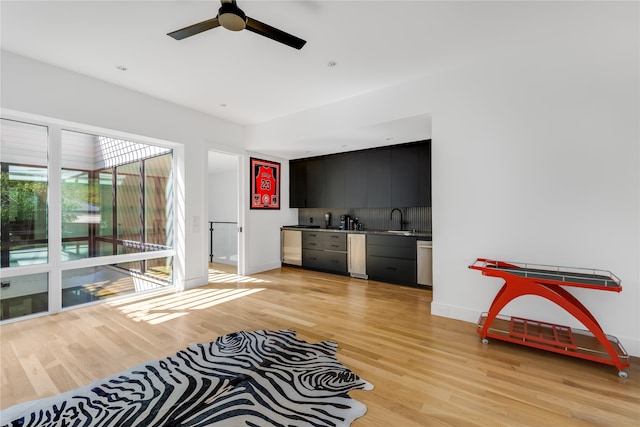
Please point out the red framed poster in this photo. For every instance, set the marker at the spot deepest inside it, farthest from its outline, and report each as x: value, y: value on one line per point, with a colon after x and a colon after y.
x: 265, y: 184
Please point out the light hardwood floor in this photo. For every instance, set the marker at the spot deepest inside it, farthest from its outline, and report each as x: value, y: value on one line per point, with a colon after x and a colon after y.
x: 427, y: 370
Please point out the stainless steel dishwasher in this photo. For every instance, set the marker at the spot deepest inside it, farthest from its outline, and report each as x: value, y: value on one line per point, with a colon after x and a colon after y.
x: 425, y: 262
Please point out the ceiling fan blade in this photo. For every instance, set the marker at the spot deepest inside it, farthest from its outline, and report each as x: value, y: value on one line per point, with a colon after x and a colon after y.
x: 274, y: 34
x: 194, y: 29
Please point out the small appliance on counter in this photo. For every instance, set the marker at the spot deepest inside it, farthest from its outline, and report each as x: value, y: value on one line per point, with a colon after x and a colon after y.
x: 349, y: 223
x: 327, y: 220
x: 344, y: 222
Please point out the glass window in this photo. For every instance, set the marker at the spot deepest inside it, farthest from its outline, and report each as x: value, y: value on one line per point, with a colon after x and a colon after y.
x: 129, y: 207
x: 106, y: 240
x: 158, y: 195
x: 24, y: 295
x: 117, y: 196
x: 84, y: 285
x: 23, y: 194
x: 79, y: 214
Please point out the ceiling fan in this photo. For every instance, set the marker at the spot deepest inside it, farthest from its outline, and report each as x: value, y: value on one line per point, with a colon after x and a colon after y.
x: 231, y: 17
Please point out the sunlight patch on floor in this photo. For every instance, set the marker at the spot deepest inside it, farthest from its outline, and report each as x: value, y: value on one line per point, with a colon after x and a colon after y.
x: 219, y: 276
x: 160, y: 308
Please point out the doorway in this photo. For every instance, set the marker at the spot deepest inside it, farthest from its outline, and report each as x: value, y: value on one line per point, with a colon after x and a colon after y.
x: 223, y: 227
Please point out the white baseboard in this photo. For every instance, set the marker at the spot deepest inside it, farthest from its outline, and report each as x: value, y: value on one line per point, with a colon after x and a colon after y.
x: 455, y: 312
x: 263, y: 267
x: 194, y: 283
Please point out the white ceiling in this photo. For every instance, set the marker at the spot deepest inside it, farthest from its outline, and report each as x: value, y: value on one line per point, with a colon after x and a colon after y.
x: 376, y: 44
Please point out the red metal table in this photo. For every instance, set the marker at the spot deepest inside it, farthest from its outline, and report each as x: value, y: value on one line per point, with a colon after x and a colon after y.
x: 548, y: 282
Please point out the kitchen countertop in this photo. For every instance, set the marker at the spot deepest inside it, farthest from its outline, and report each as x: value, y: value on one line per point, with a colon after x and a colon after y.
x: 421, y: 235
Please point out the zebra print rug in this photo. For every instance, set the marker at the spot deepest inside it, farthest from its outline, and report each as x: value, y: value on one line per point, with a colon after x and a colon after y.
x: 260, y: 378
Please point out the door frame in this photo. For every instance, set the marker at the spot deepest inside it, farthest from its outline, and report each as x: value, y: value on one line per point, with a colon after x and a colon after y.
x: 240, y: 208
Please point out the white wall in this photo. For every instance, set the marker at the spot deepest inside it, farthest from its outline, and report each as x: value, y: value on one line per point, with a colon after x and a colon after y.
x: 263, y: 226
x: 223, y: 195
x: 535, y: 159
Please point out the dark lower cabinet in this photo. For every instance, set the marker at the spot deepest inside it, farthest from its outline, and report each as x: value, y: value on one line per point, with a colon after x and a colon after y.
x: 331, y: 262
x: 392, y: 259
x: 324, y: 251
x: 389, y: 258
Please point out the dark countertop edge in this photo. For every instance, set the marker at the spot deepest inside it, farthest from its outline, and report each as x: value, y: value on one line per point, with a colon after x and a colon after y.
x: 419, y: 235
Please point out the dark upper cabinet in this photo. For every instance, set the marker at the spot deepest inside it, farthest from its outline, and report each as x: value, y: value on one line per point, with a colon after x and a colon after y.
x: 393, y: 176
x: 316, y: 188
x: 424, y: 176
x: 355, y: 192
x: 334, y: 167
x: 298, y: 184
x: 378, y: 171
x: 404, y: 176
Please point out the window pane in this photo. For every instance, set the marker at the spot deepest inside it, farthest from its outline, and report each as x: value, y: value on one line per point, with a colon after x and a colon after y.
x: 24, y: 295
x: 79, y: 214
x: 158, y: 193
x: 117, y: 196
x: 105, y: 236
x: 128, y: 202
x: 84, y: 285
x: 23, y: 193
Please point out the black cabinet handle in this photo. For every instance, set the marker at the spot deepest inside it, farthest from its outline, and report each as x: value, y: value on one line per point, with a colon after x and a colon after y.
x: 391, y: 268
x: 335, y: 246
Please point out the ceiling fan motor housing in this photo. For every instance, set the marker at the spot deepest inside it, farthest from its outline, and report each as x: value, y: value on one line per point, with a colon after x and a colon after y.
x: 231, y: 17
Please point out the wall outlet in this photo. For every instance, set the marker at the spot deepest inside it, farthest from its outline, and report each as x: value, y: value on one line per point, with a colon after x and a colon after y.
x: 311, y: 220
x: 5, y: 284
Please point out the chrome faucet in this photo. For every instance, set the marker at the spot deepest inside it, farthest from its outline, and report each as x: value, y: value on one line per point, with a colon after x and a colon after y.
x: 402, y: 223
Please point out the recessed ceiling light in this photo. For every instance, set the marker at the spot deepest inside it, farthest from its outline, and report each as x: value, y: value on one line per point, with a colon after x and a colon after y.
x: 344, y: 145
x: 332, y: 64
x: 223, y: 105
x: 121, y: 67
x: 389, y: 139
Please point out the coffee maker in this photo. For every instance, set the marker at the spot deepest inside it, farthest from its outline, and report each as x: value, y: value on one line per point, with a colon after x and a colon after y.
x: 345, y: 220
